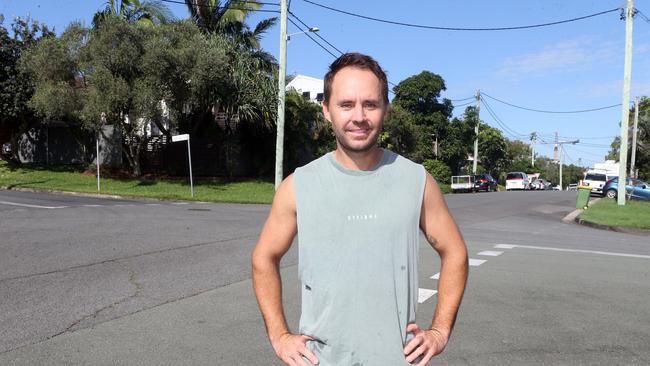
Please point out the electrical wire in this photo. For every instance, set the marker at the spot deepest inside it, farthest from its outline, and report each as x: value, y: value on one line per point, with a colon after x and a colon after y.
x: 462, y: 105
x: 326, y: 41
x: 229, y: 7
x: 317, y: 35
x: 643, y: 16
x: 457, y: 28
x: 585, y: 152
x: 588, y: 138
x: 463, y: 99
x: 499, y: 121
x: 312, y: 38
x: 546, y: 111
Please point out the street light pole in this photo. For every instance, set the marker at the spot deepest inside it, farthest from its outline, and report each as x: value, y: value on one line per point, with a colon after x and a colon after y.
x: 279, y: 141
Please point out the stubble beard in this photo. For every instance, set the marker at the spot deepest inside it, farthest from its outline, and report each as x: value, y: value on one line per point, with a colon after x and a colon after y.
x: 371, y: 144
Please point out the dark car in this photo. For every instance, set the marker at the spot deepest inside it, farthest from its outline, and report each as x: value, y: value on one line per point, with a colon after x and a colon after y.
x: 484, y: 182
x: 634, y: 189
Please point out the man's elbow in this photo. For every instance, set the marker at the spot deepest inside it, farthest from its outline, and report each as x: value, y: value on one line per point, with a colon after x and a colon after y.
x: 262, y: 260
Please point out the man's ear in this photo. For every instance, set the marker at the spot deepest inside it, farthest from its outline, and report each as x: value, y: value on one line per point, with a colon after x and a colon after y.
x: 326, y: 111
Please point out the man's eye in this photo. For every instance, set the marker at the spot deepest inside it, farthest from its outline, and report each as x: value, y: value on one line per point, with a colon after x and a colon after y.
x: 371, y: 105
x: 346, y: 105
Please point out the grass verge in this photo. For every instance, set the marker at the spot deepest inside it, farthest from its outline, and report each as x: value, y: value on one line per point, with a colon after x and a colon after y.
x: 635, y: 214
x: 74, y: 179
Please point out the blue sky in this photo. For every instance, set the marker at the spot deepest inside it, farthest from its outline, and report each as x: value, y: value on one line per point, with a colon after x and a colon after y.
x: 572, y: 66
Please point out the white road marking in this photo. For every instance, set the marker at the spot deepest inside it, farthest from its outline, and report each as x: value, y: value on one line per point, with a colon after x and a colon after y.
x: 504, y: 246
x: 436, y: 276
x: 32, y: 206
x: 476, y: 262
x: 580, y: 251
x: 424, y: 294
x: 93, y: 205
x: 180, y: 203
x: 152, y: 204
x: 491, y: 253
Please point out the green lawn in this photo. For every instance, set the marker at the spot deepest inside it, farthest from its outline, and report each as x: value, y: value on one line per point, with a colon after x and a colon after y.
x: 73, y: 179
x: 635, y: 214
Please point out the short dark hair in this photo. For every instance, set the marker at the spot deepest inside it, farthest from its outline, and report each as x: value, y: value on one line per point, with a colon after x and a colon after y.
x: 358, y: 60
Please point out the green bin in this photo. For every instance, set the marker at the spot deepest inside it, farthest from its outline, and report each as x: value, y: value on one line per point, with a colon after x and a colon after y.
x: 583, y: 196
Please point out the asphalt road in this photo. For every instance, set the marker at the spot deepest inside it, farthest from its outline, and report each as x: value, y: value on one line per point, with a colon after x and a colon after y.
x: 114, y: 281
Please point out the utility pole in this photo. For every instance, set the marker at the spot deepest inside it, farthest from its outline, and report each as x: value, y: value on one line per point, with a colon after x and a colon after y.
x: 279, y: 141
x: 478, y: 121
x: 561, y: 158
x: 560, y: 144
x: 533, y: 139
x: 635, y: 131
x: 625, y: 107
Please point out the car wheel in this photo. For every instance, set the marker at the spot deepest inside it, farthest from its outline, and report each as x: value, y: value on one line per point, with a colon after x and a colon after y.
x: 611, y: 193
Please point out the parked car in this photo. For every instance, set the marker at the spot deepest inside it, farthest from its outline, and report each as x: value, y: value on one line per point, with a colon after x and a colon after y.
x: 634, y: 188
x: 517, y: 180
x: 541, y: 185
x: 572, y: 187
x: 485, y: 182
x: 596, y: 181
x: 462, y: 183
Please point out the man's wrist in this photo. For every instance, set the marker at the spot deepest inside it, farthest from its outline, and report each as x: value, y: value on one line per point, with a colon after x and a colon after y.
x: 442, y: 331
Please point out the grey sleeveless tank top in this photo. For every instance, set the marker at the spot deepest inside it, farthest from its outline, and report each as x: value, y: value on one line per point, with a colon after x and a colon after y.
x: 358, y: 234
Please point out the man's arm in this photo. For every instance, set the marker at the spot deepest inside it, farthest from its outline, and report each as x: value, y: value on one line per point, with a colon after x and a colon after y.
x: 275, y: 240
x: 444, y: 236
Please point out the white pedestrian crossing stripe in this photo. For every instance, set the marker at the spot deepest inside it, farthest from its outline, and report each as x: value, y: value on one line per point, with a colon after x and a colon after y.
x: 490, y: 253
x: 476, y: 262
x: 424, y: 294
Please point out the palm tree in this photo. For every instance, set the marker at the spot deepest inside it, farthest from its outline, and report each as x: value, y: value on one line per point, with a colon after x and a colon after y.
x: 144, y: 12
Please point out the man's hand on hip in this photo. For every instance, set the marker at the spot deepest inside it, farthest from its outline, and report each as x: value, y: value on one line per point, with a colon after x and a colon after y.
x: 291, y: 348
x: 426, y: 343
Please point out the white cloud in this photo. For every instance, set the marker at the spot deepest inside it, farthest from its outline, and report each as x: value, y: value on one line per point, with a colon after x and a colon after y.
x: 571, y: 55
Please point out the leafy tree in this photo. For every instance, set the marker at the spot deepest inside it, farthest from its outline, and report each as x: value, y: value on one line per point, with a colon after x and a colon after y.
x: 399, y: 132
x: 492, y: 149
x: 142, y: 12
x: 419, y: 95
x: 16, y: 87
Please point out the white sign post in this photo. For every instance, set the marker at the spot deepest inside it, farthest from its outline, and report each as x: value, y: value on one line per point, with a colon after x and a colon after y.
x: 186, y: 137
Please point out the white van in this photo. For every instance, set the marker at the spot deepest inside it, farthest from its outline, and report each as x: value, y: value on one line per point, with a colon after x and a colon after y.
x: 596, y: 180
x: 517, y: 180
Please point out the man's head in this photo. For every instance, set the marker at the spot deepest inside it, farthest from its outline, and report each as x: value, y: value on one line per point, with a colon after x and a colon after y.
x: 359, y: 61
x: 356, y: 101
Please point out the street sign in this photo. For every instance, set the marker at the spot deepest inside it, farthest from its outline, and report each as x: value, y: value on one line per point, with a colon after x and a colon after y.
x: 183, y: 137
x: 186, y: 137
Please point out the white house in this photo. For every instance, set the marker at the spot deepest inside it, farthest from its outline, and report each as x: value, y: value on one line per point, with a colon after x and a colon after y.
x: 310, y: 88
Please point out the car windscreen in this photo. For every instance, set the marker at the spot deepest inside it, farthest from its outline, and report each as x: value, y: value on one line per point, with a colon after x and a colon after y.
x: 598, y: 177
x: 515, y: 176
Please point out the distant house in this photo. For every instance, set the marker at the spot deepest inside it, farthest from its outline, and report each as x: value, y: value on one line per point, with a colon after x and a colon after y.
x: 309, y: 87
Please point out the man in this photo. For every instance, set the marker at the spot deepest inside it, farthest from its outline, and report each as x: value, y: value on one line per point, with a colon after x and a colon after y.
x: 357, y: 212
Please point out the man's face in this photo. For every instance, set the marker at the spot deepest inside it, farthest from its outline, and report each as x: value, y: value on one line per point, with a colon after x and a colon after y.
x: 356, y: 109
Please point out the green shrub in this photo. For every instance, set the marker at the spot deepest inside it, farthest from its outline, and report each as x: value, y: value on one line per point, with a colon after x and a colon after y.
x: 438, y: 170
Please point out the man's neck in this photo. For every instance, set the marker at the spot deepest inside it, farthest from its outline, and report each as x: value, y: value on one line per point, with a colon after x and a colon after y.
x: 366, y: 160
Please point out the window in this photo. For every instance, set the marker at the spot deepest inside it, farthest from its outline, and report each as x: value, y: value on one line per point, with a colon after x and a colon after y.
x: 319, y: 97
x: 596, y: 177
x: 306, y: 95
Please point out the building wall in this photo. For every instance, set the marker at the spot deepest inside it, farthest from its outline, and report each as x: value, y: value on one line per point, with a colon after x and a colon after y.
x: 306, y: 84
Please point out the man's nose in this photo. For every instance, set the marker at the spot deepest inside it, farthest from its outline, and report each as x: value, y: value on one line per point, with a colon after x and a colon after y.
x: 358, y: 114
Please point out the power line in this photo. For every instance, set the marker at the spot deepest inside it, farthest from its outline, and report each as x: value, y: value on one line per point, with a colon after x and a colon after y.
x: 546, y: 111
x: 464, y: 104
x: 228, y: 7
x: 312, y: 38
x: 499, y: 121
x: 643, y: 16
x: 463, y: 99
x: 317, y: 35
x: 326, y: 41
x: 457, y: 28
